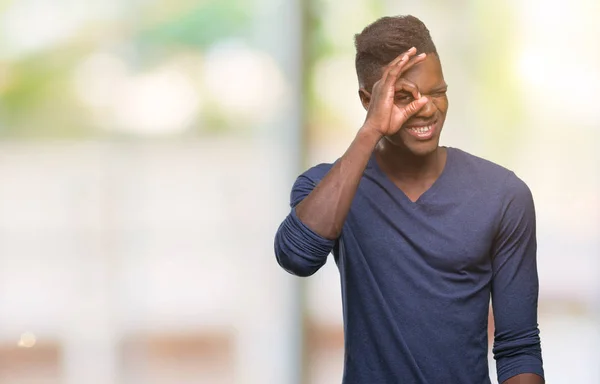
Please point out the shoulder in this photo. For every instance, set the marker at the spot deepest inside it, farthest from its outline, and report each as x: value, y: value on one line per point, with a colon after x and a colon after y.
x: 497, y: 181
x: 476, y: 170
x: 479, y: 166
x: 315, y: 174
x: 517, y: 195
x: 307, y: 181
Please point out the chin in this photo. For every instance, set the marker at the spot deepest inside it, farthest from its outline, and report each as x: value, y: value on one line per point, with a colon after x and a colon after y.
x: 422, y: 149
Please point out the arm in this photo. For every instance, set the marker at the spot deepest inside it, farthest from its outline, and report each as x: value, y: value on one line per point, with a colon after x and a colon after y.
x: 319, y: 211
x: 517, y: 347
x: 325, y: 209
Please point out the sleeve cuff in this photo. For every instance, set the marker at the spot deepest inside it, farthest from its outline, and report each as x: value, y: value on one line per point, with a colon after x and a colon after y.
x: 530, y: 365
x: 311, y: 235
x: 300, y: 250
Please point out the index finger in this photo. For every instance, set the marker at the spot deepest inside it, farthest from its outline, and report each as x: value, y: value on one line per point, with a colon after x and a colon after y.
x: 415, y: 60
x: 401, y: 67
x: 403, y: 57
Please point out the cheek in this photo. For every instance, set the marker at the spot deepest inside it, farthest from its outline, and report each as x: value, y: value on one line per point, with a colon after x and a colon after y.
x: 441, y: 104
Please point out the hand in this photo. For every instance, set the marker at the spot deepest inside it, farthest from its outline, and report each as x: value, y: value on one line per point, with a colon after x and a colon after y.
x: 383, y: 115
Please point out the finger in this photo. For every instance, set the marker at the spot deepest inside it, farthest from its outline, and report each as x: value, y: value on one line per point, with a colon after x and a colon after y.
x: 402, y: 58
x: 402, y: 66
x: 413, y: 108
x: 405, y: 85
x: 415, y: 60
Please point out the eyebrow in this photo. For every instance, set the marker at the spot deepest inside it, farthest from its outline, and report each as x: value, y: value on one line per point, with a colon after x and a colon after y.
x: 440, y: 88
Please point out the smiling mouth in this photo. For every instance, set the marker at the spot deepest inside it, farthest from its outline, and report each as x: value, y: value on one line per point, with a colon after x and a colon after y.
x: 422, y: 131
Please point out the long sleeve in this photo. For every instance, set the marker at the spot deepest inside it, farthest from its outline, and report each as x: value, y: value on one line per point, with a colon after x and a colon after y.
x: 515, y: 286
x: 298, y: 249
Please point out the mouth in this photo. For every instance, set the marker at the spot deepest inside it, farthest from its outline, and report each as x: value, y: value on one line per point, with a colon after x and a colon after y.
x: 422, y: 132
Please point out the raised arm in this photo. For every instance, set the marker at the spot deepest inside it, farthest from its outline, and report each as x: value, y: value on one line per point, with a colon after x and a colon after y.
x: 325, y: 209
x: 517, y: 347
x: 319, y: 210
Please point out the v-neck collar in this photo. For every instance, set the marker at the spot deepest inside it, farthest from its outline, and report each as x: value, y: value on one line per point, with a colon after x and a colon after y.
x: 425, y: 195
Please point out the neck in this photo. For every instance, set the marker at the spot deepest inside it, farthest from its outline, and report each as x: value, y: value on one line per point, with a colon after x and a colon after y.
x: 401, y: 164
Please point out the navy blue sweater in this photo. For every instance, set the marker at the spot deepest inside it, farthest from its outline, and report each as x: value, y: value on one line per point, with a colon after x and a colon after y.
x: 417, y: 277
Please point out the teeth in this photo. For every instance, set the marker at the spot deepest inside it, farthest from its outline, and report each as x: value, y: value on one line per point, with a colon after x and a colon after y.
x: 422, y: 130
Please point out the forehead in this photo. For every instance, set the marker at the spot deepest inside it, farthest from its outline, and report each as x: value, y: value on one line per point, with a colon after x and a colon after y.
x: 427, y: 74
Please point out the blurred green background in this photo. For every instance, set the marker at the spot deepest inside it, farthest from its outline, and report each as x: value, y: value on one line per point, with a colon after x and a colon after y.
x: 147, y: 150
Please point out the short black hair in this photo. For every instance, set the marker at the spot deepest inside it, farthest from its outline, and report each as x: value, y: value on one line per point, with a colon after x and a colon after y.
x: 383, y: 40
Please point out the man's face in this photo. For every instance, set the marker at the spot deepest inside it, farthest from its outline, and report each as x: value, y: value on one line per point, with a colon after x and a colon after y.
x: 421, y: 133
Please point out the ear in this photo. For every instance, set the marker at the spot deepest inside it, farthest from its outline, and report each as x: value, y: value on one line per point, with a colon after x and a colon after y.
x: 365, y: 98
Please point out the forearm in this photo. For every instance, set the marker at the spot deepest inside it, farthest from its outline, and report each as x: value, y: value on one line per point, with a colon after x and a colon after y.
x: 325, y: 209
x: 525, y: 378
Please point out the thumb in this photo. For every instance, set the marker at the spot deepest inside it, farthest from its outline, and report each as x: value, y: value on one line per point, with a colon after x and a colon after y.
x: 413, y: 108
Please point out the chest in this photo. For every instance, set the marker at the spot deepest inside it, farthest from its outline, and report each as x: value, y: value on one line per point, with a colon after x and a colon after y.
x: 449, y: 235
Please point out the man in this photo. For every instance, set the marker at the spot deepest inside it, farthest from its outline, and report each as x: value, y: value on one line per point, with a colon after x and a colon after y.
x: 423, y: 235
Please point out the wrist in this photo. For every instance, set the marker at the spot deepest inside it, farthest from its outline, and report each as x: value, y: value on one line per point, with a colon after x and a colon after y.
x: 368, y: 135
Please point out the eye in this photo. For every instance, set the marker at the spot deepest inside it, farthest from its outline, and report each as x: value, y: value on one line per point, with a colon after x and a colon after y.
x: 403, y: 98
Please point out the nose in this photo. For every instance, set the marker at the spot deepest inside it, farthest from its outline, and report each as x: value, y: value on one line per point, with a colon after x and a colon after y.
x: 428, y: 109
